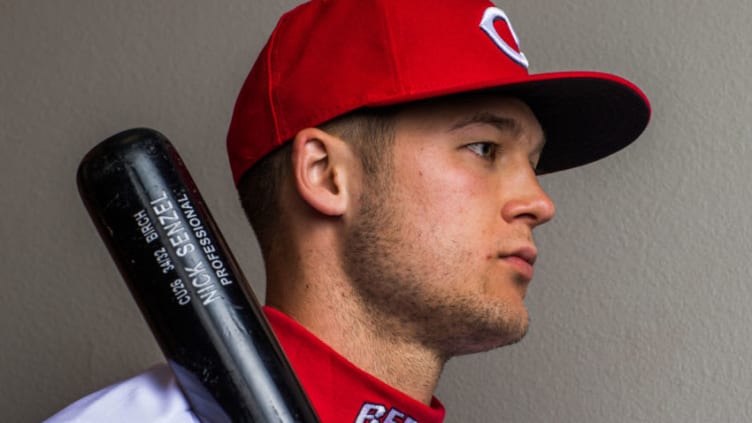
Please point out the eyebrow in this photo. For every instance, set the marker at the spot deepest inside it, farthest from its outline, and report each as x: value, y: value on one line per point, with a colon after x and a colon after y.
x: 502, y: 123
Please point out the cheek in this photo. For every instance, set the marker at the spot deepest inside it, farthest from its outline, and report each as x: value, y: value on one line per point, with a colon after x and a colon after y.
x: 455, y: 197
x: 450, y: 209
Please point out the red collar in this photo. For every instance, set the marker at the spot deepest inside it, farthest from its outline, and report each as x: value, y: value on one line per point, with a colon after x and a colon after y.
x: 339, y: 391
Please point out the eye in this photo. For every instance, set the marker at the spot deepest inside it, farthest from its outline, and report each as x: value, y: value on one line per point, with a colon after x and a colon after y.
x: 534, y: 166
x: 486, y: 150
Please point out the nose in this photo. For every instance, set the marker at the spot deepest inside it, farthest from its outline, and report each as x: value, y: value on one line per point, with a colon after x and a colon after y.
x: 527, y: 201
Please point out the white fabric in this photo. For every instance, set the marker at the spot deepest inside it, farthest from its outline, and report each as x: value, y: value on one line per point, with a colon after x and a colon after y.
x: 151, y: 397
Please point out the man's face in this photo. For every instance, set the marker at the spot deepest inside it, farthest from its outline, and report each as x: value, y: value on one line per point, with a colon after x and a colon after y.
x: 441, y: 250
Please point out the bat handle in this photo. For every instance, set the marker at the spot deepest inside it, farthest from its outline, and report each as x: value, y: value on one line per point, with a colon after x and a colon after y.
x: 186, y: 282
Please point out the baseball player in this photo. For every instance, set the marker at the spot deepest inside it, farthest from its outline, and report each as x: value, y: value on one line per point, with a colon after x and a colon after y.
x: 387, y: 154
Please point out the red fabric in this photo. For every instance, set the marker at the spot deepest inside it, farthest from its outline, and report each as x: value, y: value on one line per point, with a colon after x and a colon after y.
x: 339, y: 391
x: 328, y: 57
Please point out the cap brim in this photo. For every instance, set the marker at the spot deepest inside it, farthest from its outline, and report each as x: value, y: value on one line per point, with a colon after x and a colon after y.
x: 585, y: 115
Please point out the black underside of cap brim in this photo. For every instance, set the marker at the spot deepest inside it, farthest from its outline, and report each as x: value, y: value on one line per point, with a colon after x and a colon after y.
x: 584, y: 118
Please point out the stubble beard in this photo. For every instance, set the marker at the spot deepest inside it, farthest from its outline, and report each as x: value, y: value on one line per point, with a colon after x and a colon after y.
x: 402, y: 297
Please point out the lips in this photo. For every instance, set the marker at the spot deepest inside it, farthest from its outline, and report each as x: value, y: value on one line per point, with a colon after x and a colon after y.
x: 522, y: 261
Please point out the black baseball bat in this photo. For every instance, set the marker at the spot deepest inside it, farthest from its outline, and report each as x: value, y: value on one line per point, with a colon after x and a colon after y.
x: 186, y: 282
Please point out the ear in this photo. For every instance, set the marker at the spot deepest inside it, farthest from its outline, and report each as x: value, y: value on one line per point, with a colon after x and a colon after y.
x: 322, y: 165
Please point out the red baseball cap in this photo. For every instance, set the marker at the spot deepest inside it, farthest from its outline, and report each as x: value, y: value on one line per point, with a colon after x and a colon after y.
x: 326, y: 58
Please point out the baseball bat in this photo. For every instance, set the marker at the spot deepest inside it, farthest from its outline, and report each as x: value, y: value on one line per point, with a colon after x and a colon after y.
x: 186, y: 282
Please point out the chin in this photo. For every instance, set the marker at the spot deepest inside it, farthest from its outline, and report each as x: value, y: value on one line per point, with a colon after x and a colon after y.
x: 510, y: 336
x: 491, y: 332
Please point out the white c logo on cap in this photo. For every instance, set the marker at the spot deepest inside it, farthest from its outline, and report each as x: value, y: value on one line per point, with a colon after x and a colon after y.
x: 491, y: 15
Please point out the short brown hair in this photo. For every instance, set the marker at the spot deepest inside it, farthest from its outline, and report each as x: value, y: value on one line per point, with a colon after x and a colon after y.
x: 370, y: 131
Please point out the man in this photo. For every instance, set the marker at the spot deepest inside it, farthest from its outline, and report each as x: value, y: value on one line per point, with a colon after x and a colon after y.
x: 387, y: 155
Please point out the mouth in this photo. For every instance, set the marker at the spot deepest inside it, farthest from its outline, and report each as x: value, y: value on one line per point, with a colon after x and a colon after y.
x: 522, y: 261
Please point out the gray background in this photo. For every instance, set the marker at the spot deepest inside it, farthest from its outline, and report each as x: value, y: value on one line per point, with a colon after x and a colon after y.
x: 640, y: 307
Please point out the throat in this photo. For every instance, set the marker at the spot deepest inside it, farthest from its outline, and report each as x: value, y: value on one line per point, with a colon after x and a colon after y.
x: 376, y: 348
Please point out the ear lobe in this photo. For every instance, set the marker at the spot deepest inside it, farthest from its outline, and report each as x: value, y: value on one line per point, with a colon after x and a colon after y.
x: 320, y: 166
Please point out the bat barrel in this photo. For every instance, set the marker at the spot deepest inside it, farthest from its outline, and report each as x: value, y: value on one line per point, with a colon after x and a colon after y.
x: 186, y: 282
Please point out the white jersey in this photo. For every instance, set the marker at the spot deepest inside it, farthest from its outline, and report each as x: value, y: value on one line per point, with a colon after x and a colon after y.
x: 152, y: 396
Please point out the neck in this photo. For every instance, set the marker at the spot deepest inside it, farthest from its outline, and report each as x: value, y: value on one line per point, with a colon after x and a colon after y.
x: 326, y: 306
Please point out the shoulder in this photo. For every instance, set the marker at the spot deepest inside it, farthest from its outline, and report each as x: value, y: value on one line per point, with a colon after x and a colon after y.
x: 152, y: 396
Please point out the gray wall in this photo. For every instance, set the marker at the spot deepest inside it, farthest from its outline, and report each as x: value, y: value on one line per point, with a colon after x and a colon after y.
x: 640, y: 305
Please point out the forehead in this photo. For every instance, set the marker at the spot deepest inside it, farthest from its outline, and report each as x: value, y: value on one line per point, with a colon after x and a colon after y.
x: 457, y: 112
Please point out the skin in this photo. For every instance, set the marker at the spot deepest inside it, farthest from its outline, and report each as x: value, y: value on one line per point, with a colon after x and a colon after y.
x: 430, y: 260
